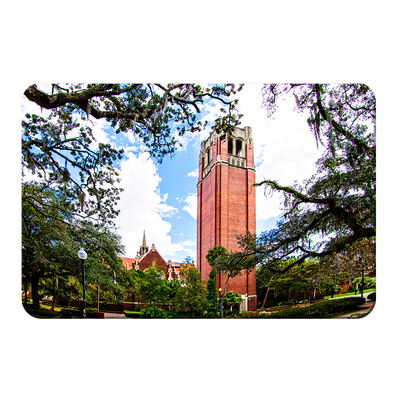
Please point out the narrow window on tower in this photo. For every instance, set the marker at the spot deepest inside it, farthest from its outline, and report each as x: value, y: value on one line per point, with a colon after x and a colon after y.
x: 209, y: 155
x: 230, y: 146
x: 239, y: 148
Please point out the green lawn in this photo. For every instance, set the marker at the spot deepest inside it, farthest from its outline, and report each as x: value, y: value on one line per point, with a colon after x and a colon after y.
x: 44, y: 311
x: 351, y: 293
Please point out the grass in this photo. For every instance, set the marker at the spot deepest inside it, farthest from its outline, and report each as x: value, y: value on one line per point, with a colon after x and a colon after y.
x: 131, y: 312
x: 44, y: 311
x: 56, y: 309
x: 350, y: 293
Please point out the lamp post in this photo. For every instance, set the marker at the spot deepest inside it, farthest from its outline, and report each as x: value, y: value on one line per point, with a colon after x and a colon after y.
x: 362, y: 282
x: 82, y: 255
x: 220, y: 304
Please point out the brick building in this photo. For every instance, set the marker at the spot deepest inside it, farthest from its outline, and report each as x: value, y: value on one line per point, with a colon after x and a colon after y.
x: 226, y: 204
x: 145, y: 257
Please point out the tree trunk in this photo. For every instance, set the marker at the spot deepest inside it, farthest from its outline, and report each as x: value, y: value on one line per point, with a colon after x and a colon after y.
x: 266, y: 295
x: 26, y: 292
x: 35, y: 292
x: 98, y: 298
x: 54, y: 303
x: 223, y: 296
x: 55, y: 295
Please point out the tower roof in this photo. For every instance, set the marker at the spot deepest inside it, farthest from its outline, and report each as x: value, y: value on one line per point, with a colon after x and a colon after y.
x: 143, y: 249
x: 144, y: 239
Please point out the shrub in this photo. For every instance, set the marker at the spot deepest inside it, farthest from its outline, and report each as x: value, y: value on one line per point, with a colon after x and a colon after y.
x: 318, y: 310
x: 153, y: 313
x: 159, y: 313
x: 372, y: 296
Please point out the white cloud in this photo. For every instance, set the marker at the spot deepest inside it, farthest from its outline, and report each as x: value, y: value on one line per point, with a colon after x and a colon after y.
x: 285, y: 149
x: 194, y: 173
x: 99, y: 132
x: 142, y: 206
x: 191, y: 207
x: 187, y: 247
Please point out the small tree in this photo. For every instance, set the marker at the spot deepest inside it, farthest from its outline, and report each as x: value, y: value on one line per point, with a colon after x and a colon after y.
x: 232, y: 263
x: 233, y: 299
x: 212, y: 296
x: 191, y: 295
x: 152, y: 288
x: 174, y: 285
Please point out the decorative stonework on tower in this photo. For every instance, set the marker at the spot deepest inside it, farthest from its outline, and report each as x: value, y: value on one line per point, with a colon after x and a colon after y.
x: 226, y: 203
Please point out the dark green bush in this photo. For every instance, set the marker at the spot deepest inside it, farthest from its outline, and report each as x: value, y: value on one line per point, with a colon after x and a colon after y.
x: 372, y: 296
x: 153, y: 313
x: 318, y: 310
x: 158, y: 313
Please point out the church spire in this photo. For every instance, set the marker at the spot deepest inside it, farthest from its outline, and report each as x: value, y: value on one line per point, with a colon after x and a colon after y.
x: 144, y: 240
x: 143, y: 249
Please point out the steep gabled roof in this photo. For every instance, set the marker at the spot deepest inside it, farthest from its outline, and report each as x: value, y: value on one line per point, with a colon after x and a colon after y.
x: 149, y: 257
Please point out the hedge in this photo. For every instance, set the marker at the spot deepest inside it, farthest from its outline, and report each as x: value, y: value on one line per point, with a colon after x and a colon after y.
x: 322, y: 309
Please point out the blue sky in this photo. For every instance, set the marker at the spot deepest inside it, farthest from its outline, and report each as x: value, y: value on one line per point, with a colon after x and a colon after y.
x: 161, y: 199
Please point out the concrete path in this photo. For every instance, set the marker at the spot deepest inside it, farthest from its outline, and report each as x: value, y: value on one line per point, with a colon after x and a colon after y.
x: 114, y: 317
x: 362, y: 311
x: 352, y: 295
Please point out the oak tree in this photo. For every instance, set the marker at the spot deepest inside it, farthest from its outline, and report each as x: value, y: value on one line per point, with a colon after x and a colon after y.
x: 59, y: 148
x: 337, y: 205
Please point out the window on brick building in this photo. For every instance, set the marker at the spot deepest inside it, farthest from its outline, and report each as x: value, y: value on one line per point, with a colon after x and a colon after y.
x: 209, y: 155
x: 239, y: 148
x: 230, y: 146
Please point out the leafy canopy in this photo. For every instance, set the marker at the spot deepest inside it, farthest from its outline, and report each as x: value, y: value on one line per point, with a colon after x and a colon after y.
x: 59, y: 148
x: 337, y: 205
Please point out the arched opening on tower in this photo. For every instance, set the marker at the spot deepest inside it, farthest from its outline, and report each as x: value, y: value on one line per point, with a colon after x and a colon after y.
x: 230, y: 146
x: 239, y: 148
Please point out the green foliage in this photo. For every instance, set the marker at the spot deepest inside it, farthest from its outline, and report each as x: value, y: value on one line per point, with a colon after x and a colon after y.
x: 214, y: 253
x: 232, y: 299
x: 132, y: 314
x: 338, y: 203
x: 58, y: 145
x: 372, y: 296
x: 49, y: 250
x: 322, y: 309
x: 174, y: 286
x: 232, y: 263
x: 290, y: 283
x: 153, y: 312
x: 191, y: 295
x: 212, y: 296
x: 368, y: 282
x: 152, y: 289
x: 188, y: 294
x: 186, y: 298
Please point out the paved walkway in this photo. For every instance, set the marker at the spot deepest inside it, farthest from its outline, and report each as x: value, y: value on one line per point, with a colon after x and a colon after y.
x: 362, y: 311
x: 351, y: 295
x: 114, y: 317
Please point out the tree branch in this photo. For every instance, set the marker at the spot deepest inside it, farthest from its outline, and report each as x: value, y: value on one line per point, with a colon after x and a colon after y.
x: 81, y: 99
x: 325, y: 114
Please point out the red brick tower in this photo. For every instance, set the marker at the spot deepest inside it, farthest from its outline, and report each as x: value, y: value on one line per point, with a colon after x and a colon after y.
x: 226, y: 204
